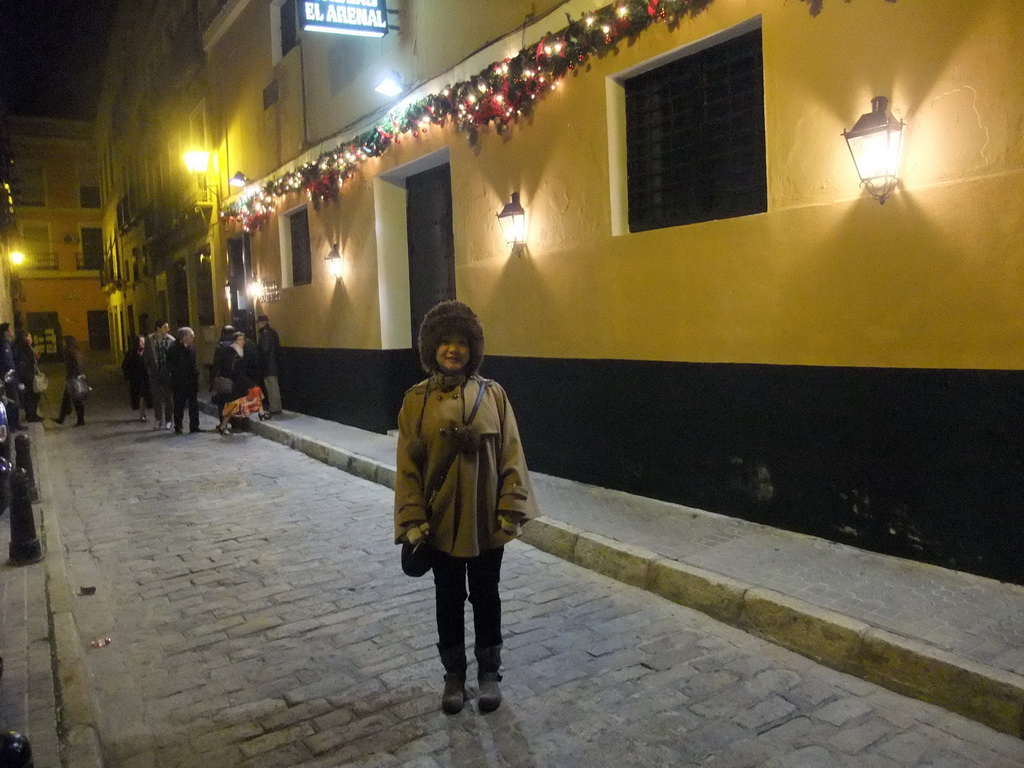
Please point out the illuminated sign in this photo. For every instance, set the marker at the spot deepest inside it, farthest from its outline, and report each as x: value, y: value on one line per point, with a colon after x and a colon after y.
x: 365, y: 18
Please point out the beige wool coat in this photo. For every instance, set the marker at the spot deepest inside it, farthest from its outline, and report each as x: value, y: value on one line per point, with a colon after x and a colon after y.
x: 464, y: 518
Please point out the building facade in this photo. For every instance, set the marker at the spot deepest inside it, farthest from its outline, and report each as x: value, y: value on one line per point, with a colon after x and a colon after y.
x: 56, y: 289
x: 159, y: 220
x: 708, y: 306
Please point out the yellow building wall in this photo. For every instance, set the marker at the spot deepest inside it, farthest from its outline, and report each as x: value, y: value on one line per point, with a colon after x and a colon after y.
x: 71, y: 299
x: 63, y: 147
x: 827, y: 276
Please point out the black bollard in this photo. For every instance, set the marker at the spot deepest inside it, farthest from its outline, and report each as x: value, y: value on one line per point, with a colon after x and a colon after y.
x: 25, y: 547
x: 23, y: 460
x: 15, y: 751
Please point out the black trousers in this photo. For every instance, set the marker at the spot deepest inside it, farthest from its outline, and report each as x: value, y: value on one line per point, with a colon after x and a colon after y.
x: 450, y: 576
x: 30, y: 400
x: 65, y: 408
x: 139, y: 396
x: 181, y: 400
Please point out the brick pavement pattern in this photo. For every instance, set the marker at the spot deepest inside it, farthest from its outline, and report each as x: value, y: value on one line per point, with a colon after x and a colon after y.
x: 258, y: 617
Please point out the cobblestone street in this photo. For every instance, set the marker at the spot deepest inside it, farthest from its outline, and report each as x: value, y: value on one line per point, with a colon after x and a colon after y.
x: 258, y: 617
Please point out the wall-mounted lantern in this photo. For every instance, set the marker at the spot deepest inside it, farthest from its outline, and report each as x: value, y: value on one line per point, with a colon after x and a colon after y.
x: 513, y: 224
x: 390, y: 85
x: 197, y: 161
x: 17, y: 257
x: 334, y: 263
x: 875, y: 142
x: 255, y: 289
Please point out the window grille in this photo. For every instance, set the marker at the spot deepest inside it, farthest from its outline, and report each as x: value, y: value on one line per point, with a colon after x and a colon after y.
x: 289, y: 26
x: 92, y: 248
x: 696, y: 139
x: 302, y: 264
x: 30, y: 184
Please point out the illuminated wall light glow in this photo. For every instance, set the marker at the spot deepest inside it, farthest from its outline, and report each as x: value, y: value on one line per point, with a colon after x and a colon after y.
x: 512, y: 220
x: 335, y: 264
x: 875, y: 143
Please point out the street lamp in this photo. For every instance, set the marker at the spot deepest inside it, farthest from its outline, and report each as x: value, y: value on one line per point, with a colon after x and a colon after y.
x: 875, y: 142
x: 197, y: 161
x: 335, y: 267
x: 512, y: 220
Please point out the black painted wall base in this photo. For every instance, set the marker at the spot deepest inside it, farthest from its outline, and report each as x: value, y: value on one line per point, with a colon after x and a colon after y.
x: 924, y: 464
x: 359, y: 387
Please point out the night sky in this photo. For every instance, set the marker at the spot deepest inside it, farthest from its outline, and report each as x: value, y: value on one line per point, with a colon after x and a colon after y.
x: 52, y: 56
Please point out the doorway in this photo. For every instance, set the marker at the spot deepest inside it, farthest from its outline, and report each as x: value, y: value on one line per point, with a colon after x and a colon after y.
x: 239, y: 275
x: 99, y: 330
x: 46, y: 335
x: 431, y: 242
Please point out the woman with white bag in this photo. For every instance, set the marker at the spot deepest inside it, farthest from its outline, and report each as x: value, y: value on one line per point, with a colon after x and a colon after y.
x: 33, y: 381
x: 76, y: 389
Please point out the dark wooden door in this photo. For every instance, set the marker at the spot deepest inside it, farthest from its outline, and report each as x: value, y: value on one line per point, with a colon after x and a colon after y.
x: 431, y: 242
x: 99, y: 329
x: 177, y: 297
x: 239, y: 273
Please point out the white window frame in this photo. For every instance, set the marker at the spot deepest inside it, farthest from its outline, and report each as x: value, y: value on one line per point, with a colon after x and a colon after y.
x: 284, y: 232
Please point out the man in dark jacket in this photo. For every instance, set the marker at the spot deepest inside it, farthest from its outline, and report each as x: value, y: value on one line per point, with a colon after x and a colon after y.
x: 268, y: 345
x: 158, y: 344
x: 181, y: 360
x: 9, y: 376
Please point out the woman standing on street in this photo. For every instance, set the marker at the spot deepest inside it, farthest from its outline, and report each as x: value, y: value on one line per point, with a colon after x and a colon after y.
x: 74, y: 366
x: 462, y: 487
x: 245, y: 397
x: 27, y: 366
x: 134, y: 369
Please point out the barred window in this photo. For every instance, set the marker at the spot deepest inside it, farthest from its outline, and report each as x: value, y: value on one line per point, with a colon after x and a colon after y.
x: 302, y: 265
x: 289, y: 26
x: 695, y: 146
x: 29, y: 183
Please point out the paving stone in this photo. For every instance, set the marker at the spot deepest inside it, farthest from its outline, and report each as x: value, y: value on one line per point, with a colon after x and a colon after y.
x: 271, y: 741
x: 859, y: 737
x: 842, y: 711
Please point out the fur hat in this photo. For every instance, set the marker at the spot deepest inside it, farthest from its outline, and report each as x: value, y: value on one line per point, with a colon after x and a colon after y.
x: 451, y: 318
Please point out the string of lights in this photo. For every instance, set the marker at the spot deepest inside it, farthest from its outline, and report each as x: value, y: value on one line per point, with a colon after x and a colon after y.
x: 499, y: 95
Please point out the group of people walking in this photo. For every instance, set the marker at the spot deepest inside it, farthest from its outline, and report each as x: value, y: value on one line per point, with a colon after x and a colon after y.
x: 24, y: 383
x: 163, y: 374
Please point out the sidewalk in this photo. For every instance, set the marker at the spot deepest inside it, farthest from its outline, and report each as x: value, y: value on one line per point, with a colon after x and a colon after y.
x: 28, y: 702
x: 949, y: 638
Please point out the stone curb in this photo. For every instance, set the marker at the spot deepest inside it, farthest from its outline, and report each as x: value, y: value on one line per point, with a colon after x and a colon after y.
x: 78, y: 715
x: 977, y: 691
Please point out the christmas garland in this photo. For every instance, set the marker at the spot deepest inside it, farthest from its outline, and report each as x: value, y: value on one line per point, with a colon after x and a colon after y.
x: 499, y: 95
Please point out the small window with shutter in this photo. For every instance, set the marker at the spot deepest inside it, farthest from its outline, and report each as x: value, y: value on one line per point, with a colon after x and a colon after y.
x: 695, y: 146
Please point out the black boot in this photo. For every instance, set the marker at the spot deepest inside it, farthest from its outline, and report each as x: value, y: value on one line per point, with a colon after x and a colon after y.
x: 488, y: 662
x: 454, y: 661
